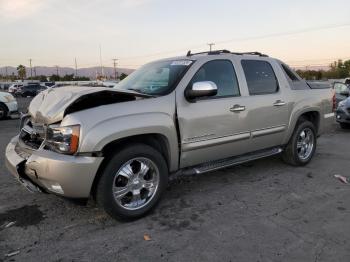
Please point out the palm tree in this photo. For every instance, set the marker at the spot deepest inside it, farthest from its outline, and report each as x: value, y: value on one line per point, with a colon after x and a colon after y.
x: 21, y: 70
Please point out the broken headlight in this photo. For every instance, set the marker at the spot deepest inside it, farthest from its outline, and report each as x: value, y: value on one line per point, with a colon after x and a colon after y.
x: 63, y: 139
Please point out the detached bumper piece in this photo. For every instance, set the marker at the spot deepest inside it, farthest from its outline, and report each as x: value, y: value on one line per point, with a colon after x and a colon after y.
x: 15, y: 164
x: 42, y: 170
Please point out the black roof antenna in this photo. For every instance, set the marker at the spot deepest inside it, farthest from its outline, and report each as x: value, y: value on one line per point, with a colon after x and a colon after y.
x: 189, y: 53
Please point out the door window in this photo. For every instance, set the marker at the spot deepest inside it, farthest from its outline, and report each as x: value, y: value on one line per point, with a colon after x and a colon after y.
x: 222, y: 73
x: 261, y: 78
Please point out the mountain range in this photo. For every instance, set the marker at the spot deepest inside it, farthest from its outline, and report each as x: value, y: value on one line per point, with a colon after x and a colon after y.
x: 90, y: 72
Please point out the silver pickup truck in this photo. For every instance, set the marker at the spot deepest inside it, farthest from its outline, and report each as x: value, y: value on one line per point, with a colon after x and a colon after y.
x: 184, y: 115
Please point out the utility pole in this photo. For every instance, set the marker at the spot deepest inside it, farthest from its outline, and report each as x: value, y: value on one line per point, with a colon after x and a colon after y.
x: 31, y: 71
x: 102, y: 74
x: 34, y: 71
x: 56, y: 69
x: 115, y: 68
x: 6, y: 73
x: 210, y: 46
x: 76, y: 67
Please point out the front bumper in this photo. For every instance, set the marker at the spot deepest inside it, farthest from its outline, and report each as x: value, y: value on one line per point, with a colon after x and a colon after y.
x: 343, y: 115
x: 69, y: 176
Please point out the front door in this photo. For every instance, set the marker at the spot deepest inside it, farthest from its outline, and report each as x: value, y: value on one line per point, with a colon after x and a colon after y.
x: 215, y: 127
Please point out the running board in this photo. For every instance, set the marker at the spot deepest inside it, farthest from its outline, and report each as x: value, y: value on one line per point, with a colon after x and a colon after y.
x: 232, y: 161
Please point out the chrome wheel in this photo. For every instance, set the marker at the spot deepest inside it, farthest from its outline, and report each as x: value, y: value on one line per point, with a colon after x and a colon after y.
x: 136, y: 183
x: 305, y: 143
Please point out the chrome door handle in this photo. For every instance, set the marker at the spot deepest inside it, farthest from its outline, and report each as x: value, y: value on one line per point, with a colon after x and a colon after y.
x: 279, y: 103
x: 237, y: 108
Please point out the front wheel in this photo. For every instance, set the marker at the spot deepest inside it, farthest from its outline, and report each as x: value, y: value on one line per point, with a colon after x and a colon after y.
x: 132, y: 182
x: 302, y: 145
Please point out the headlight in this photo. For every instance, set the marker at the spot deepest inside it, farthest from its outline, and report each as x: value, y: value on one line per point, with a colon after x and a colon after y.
x: 9, y: 98
x: 64, y: 139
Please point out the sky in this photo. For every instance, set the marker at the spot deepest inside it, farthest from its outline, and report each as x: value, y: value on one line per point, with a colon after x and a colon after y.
x: 55, y: 32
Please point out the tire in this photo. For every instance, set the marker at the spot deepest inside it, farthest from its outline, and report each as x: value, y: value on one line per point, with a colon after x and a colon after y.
x: 344, y: 125
x: 3, y: 111
x: 123, y: 174
x: 293, y: 153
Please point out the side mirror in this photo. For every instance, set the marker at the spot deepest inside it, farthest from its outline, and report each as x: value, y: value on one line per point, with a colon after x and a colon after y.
x: 201, y: 89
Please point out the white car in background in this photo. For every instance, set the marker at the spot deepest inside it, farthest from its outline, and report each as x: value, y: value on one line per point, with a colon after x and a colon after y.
x: 8, y: 105
x: 14, y: 88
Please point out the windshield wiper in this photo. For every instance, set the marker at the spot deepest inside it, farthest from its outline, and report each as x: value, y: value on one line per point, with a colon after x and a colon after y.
x: 136, y: 90
x: 140, y: 92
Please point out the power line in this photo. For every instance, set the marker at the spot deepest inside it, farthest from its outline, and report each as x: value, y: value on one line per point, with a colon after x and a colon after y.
x: 240, y: 39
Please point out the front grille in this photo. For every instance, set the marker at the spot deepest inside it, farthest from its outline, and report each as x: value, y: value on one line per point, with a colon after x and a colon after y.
x: 32, y: 134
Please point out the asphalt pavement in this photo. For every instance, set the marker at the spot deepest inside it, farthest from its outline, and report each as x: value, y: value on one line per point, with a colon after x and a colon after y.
x: 260, y: 211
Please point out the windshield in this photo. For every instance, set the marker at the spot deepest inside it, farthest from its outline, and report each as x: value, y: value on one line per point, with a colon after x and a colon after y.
x: 158, y: 78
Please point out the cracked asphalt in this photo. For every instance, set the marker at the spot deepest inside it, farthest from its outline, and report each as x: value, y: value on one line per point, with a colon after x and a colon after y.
x: 260, y: 211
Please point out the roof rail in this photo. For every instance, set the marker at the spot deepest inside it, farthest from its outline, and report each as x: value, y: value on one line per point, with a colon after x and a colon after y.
x: 254, y: 53
x: 224, y: 51
x: 215, y: 52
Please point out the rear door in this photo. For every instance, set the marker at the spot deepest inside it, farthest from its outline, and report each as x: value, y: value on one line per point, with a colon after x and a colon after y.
x: 267, y: 105
x: 215, y: 127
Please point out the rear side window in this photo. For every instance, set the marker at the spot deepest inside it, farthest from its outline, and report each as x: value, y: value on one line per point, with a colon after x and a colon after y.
x: 222, y: 73
x: 261, y: 78
x: 291, y: 75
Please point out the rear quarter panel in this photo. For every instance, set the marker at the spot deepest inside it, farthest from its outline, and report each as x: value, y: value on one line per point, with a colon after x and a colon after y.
x: 317, y: 100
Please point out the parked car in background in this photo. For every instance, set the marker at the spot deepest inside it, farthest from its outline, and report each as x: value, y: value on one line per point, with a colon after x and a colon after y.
x: 14, y: 87
x: 30, y: 90
x: 341, y: 91
x: 59, y: 85
x: 49, y: 84
x: 343, y: 113
x: 192, y: 114
x: 5, y: 86
x: 8, y: 105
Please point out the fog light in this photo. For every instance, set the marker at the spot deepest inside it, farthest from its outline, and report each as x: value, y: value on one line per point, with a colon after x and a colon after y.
x: 56, y: 188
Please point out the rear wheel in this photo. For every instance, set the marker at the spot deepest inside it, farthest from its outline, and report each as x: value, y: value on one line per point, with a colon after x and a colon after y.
x: 3, y: 111
x: 302, y: 145
x: 132, y: 182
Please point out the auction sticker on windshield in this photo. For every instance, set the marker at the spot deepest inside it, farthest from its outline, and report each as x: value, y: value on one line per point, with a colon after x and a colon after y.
x: 181, y: 63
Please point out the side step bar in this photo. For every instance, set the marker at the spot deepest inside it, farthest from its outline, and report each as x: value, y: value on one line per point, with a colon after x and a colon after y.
x: 232, y: 161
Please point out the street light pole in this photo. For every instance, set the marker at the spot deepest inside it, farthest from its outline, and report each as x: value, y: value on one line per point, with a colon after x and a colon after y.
x: 115, y: 68
x: 31, y: 71
x: 76, y: 67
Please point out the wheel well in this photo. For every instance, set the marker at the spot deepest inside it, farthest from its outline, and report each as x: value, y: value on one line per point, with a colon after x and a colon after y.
x: 313, y: 117
x: 1, y: 103
x: 157, y: 141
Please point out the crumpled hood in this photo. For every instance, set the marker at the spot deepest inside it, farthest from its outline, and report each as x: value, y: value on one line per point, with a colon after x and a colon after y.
x: 51, y: 105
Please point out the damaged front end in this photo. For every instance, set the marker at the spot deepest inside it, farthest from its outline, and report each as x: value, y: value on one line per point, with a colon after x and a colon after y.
x: 52, y: 105
x: 43, y: 157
